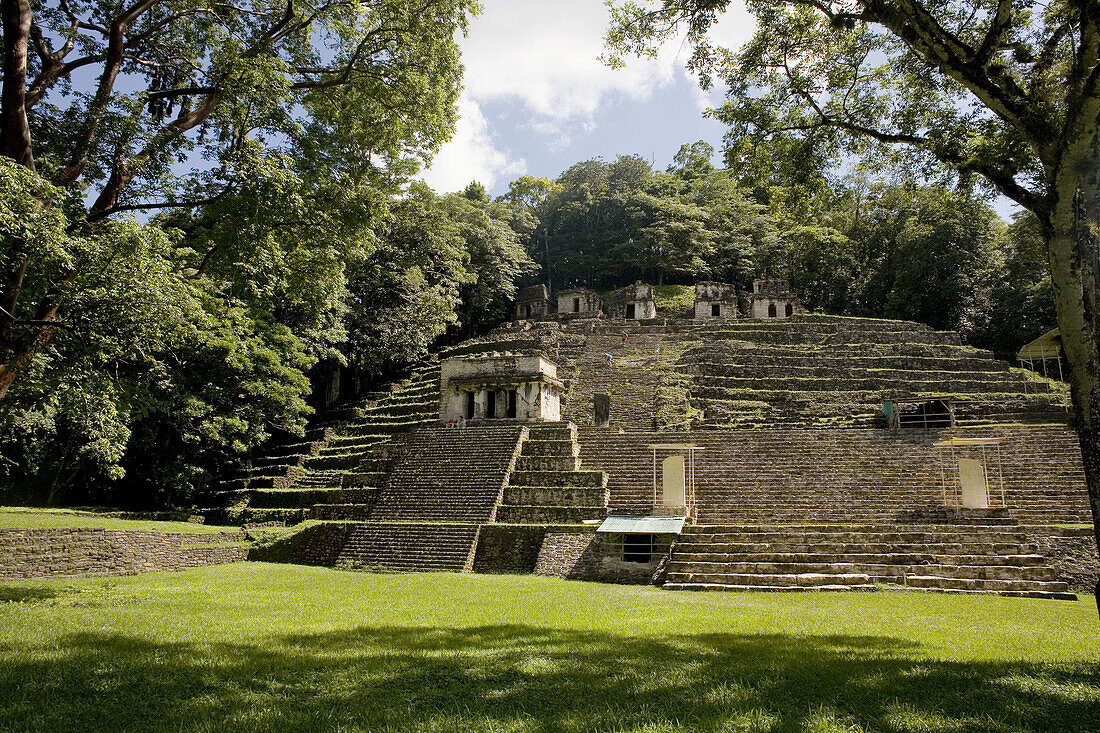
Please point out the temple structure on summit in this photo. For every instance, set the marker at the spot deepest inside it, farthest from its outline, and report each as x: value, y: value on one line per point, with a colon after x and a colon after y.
x: 583, y: 302
x: 718, y: 300
x: 522, y: 388
x: 533, y: 302
x: 773, y: 299
x: 634, y: 303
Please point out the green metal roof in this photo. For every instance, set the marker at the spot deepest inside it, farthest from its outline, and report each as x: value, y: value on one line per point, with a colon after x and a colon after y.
x: 642, y: 525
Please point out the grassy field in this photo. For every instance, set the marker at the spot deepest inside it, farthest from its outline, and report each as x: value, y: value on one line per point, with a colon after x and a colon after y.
x: 265, y: 647
x: 28, y: 518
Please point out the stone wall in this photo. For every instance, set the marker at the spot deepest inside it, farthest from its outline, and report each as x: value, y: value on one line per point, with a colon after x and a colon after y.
x: 1072, y: 553
x: 90, y: 551
x: 508, y: 549
x: 314, y: 545
x: 581, y: 554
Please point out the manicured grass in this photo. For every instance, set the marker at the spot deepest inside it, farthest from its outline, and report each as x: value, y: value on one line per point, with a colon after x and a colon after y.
x: 264, y: 647
x: 20, y: 518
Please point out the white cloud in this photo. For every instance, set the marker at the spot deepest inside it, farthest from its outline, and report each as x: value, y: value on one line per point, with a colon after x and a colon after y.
x: 471, y: 155
x: 543, y: 57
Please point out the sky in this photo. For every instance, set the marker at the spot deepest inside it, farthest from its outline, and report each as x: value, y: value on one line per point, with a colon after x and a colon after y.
x: 537, y: 98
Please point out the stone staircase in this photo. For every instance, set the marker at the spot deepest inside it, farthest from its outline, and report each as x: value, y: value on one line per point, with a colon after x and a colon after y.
x: 976, y: 557
x: 292, y: 478
x: 410, y: 547
x: 548, y: 485
x: 805, y: 371
x: 450, y: 474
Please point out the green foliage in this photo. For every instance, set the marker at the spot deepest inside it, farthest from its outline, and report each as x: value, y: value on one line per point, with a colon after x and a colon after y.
x: 280, y: 647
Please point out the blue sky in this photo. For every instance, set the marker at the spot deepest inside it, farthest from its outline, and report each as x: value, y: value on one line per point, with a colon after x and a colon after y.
x: 538, y: 99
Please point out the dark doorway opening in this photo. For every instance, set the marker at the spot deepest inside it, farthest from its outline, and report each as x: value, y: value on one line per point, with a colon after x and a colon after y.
x: 789, y: 310
x: 526, y: 311
x: 470, y: 405
x: 630, y: 310
x: 715, y: 310
x: 771, y: 311
x: 576, y: 305
x: 638, y: 548
x: 512, y: 398
x: 491, y: 405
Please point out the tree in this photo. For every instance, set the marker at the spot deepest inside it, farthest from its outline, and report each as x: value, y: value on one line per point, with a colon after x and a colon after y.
x: 190, y: 81
x: 1008, y: 90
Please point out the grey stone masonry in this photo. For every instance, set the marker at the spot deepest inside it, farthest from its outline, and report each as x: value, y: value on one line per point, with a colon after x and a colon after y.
x: 450, y: 475
x: 842, y: 475
x: 967, y: 557
x: 548, y: 485
x: 89, y: 551
x: 410, y: 547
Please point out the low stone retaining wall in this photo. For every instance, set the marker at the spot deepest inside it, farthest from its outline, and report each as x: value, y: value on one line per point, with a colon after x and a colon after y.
x: 90, y: 551
x: 581, y: 554
x: 1071, y: 552
x: 508, y: 549
x: 316, y: 545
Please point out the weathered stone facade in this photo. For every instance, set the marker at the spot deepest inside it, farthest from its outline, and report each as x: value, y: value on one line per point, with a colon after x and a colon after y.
x: 773, y: 299
x: 717, y: 300
x: 634, y: 302
x: 509, y: 387
x: 533, y: 302
x: 90, y: 551
x: 580, y: 302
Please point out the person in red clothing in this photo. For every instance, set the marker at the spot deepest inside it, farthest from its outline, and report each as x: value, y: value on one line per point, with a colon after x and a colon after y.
x: 624, y: 339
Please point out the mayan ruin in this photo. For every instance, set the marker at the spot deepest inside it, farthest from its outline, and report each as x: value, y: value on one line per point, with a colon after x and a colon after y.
x: 517, y: 366
x: 749, y: 445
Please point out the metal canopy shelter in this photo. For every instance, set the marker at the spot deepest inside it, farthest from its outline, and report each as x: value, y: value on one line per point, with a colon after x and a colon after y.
x: 1044, y: 349
x: 689, y: 493
x: 642, y: 525
x: 960, y: 447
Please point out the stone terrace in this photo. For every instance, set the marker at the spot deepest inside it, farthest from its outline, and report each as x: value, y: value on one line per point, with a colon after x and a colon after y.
x: 839, y: 474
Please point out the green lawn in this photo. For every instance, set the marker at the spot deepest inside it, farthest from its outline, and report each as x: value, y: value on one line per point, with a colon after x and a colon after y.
x: 27, y: 518
x: 265, y: 647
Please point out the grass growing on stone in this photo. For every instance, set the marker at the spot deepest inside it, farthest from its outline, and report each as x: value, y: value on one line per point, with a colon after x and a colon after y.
x: 30, y: 518
x: 262, y: 647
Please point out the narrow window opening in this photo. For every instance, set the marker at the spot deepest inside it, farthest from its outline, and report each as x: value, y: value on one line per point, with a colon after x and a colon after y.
x: 771, y: 311
x: 470, y: 405
x: 491, y: 405
x: 629, y: 310
x: 715, y: 310
x: 638, y: 548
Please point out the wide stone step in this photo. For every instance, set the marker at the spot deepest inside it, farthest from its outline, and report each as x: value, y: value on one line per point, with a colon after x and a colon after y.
x: 785, y: 580
x: 877, y: 570
x: 767, y: 588
x: 558, y: 478
x: 556, y: 495
x: 534, y: 514
x: 984, y: 584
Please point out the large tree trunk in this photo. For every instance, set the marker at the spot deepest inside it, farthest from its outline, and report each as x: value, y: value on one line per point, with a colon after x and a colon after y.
x: 1072, y: 232
x: 15, y: 132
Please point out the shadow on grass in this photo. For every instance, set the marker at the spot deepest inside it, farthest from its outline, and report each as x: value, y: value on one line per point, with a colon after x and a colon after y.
x: 27, y: 594
x: 520, y: 678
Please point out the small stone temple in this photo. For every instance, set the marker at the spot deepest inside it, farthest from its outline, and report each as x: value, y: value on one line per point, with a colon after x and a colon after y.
x: 741, y: 445
x: 525, y: 388
x: 582, y: 302
x: 718, y: 300
x: 634, y: 303
x: 532, y: 302
x: 773, y: 299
